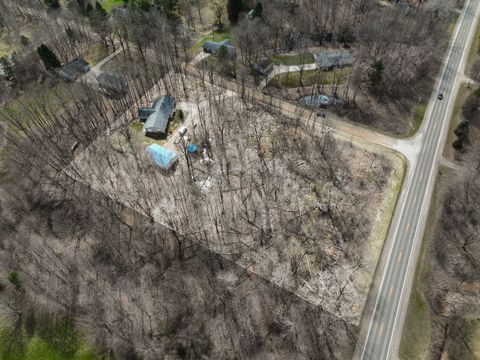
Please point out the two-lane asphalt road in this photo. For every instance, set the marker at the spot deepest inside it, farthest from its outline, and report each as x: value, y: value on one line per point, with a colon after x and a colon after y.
x: 384, y: 328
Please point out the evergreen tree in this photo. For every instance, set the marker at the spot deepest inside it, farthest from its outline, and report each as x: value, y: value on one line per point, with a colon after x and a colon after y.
x: 81, y: 5
x: 100, y: 9
x: 70, y: 33
x: 257, y: 12
x: 169, y: 7
x: 376, y: 74
x: 143, y: 5
x: 234, y: 7
x: 53, y: 4
x: 6, y: 67
x: 88, y: 9
x: 48, y: 57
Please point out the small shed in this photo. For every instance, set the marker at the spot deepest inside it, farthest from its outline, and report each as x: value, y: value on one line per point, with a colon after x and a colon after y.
x: 162, y: 157
x: 213, y: 47
x: 112, y: 84
x: 329, y: 60
x: 264, y: 66
x: 73, y: 69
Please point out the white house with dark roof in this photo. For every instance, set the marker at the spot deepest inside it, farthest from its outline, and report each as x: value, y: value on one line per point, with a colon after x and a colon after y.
x: 157, y: 117
x: 213, y: 47
x: 329, y: 60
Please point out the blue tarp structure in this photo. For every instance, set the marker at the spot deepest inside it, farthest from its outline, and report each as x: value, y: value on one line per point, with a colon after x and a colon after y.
x: 317, y: 101
x: 162, y: 156
x: 192, y: 148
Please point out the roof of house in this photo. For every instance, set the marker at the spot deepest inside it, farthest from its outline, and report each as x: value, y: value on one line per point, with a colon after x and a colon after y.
x: 73, y: 69
x: 214, y: 47
x: 263, y: 66
x: 327, y: 60
x: 161, y: 156
x: 157, y: 117
x: 112, y: 82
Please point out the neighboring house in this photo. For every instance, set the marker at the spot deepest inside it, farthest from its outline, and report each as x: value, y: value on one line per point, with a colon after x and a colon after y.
x: 330, y: 60
x: 112, y: 84
x: 213, y: 47
x: 264, y: 66
x: 73, y: 69
x: 157, y: 117
x: 162, y: 157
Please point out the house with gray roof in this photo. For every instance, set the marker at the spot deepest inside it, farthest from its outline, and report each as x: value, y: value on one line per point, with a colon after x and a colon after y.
x: 73, y: 69
x: 157, y: 117
x: 330, y: 60
x: 264, y: 66
x: 213, y: 47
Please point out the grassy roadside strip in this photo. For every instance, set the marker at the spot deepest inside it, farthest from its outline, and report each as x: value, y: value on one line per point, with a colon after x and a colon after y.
x: 474, y: 49
x: 416, y: 331
x: 463, y: 93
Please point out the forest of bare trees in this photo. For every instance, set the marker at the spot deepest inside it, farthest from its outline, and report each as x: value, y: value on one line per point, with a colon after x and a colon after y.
x: 264, y: 251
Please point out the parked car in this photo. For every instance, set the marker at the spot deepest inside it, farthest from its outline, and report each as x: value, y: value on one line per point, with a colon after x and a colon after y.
x: 182, y: 131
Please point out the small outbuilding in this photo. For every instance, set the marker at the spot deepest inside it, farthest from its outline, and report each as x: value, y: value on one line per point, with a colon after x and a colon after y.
x: 213, y: 47
x: 73, y: 70
x: 330, y: 60
x: 157, y: 117
x: 111, y: 84
x: 162, y: 157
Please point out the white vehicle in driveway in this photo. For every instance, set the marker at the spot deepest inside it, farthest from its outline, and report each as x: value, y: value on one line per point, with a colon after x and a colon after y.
x: 182, y: 131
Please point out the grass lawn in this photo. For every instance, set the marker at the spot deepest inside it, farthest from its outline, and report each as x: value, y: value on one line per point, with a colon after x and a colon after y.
x: 213, y: 36
x: 417, y: 118
x: 96, y: 54
x: 108, y: 5
x: 290, y: 60
x: 121, y: 63
x: 310, y: 77
x: 416, y: 334
x: 49, y: 341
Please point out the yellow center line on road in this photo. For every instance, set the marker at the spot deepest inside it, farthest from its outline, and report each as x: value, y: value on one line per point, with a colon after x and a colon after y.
x: 391, y: 291
x: 414, y: 200
x: 381, y: 330
x: 400, y: 256
x: 408, y: 226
